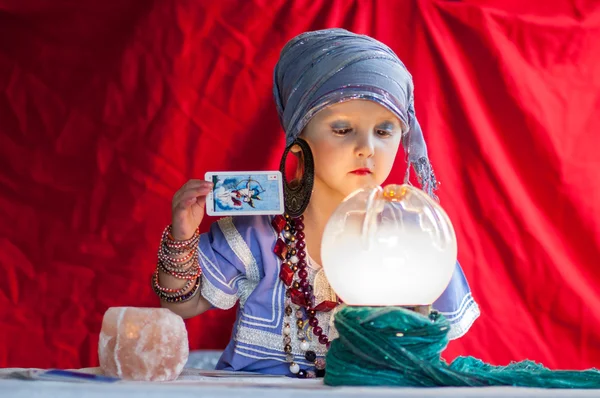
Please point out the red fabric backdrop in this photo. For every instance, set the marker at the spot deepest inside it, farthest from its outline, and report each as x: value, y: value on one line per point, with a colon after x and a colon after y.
x: 106, y: 108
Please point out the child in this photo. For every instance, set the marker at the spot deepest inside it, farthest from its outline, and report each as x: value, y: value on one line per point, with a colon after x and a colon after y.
x: 345, y: 102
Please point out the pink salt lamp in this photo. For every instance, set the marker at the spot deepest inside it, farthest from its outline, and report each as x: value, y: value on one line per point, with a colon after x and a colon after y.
x: 148, y: 344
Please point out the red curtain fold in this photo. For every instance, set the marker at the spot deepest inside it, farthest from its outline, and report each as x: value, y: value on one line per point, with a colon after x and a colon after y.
x: 106, y: 109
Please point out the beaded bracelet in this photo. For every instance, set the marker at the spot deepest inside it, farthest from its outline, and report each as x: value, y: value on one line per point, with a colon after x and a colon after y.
x: 174, y: 246
x: 178, y: 267
x: 164, y: 247
x: 174, y: 265
x: 171, y: 248
x: 190, y: 273
x: 178, y: 261
x: 178, y: 298
x: 170, y: 294
x: 157, y: 286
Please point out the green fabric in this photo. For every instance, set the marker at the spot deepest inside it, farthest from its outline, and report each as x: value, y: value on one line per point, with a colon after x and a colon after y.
x: 393, y: 346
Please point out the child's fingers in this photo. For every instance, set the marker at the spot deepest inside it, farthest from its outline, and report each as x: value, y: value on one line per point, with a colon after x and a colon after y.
x: 200, y: 190
x: 195, y: 184
x: 192, y: 189
x: 189, y: 197
x: 200, y: 200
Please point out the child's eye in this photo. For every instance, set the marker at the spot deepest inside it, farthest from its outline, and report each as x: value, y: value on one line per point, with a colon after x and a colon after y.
x: 383, y: 133
x: 342, y: 131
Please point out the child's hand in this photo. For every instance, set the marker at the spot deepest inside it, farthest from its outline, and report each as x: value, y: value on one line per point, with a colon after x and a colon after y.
x: 188, y: 208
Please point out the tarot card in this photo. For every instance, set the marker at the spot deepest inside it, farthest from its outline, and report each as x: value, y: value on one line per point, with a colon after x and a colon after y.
x: 241, y: 193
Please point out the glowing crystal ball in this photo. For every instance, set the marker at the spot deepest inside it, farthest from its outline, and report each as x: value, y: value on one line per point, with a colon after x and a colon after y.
x: 388, y: 247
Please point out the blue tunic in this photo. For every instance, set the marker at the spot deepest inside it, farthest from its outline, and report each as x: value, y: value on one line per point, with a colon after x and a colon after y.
x: 238, y: 264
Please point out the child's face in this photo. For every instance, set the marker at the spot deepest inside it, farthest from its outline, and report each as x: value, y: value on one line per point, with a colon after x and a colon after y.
x: 354, y: 144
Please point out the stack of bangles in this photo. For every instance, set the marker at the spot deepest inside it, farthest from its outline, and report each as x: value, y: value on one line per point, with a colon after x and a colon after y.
x: 178, y: 258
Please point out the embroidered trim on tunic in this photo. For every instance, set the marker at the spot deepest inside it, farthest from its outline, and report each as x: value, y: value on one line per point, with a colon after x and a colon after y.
x: 268, y: 355
x: 462, y: 319
x: 467, y: 299
x: 276, y: 310
x: 216, y: 296
x: 209, y: 291
x: 322, y: 288
x: 210, y: 268
x: 245, y: 288
x: 250, y: 338
x: 239, y: 247
x: 276, y: 298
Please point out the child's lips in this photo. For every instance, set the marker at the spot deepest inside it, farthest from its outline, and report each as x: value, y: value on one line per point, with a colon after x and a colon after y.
x: 362, y: 171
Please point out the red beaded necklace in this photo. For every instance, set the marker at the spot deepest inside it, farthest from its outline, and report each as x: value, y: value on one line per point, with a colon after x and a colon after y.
x: 290, y: 247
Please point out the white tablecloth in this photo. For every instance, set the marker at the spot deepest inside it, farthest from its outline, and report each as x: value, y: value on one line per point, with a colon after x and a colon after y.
x: 262, y: 387
x: 195, y: 383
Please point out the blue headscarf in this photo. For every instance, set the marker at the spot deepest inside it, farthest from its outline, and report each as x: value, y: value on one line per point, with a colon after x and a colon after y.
x: 320, y: 68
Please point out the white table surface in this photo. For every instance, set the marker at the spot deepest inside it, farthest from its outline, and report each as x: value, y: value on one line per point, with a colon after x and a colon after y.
x: 193, y: 382
x: 190, y: 384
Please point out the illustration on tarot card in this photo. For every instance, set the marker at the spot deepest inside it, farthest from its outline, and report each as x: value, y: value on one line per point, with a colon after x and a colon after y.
x: 246, y: 194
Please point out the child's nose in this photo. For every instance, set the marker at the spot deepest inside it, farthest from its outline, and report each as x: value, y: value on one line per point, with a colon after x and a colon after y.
x: 364, y: 145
